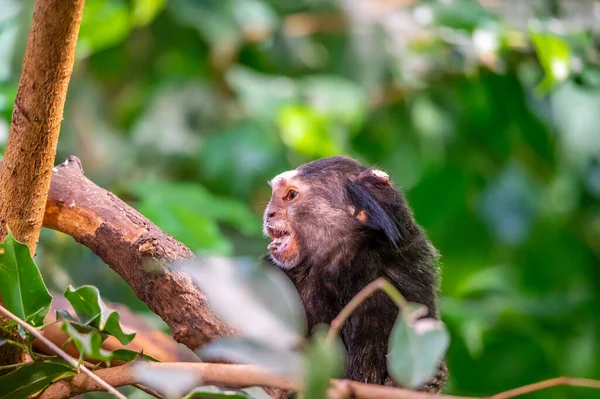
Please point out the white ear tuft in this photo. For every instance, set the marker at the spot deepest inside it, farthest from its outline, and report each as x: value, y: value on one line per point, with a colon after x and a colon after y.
x: 381, y: 176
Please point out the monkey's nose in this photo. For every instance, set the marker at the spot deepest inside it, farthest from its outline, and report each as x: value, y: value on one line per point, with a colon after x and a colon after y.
x: 271, y: 214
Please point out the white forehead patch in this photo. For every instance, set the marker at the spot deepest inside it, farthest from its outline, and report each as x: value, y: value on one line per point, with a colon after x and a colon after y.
x: 380, y: 174
x: 289, y: 174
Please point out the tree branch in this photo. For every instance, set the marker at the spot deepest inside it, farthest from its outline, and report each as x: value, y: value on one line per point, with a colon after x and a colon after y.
x: 230, y: 375
x: 37, y: 116
x: 240, y: 376
x: 136, y: 249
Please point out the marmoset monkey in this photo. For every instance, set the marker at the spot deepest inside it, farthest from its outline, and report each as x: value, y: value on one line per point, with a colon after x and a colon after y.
x: 336, y: 226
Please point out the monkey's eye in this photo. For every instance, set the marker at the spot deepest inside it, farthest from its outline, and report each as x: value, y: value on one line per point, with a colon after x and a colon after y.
x: 290, y: 195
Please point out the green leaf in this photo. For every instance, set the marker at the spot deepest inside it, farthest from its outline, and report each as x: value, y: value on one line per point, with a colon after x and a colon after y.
x: 21, y: 285
x: 32, y: 378
x: 242, y: 293
x: 555, y: 57
x: 127, y: 355
x: 243, y: 350
x: 417, y: 345
x: 215, y: 392
x: 105, y: 23
x: 89, y: 344
x: 144, y: 11
x: 324, y: 361
x: 92, y: 311
x: 308, y: 132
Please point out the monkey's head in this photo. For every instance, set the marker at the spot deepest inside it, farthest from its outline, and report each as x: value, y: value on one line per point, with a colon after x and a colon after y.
x: 323, y: 209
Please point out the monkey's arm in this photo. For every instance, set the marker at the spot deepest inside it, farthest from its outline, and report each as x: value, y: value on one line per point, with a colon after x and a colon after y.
x: 365, y: 335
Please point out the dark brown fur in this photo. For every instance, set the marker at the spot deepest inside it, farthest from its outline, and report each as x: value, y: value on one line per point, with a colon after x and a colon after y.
x: 350, y: 227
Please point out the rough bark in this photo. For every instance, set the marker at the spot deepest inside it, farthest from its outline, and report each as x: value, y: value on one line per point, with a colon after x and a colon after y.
x: 37, y: 116
x: 135, y: 248
x: 36, y: 119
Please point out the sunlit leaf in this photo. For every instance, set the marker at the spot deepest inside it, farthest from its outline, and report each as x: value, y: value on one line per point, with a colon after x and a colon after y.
x: 21, y: 285
x: 92, y: 311
x: 417, y: 345
x: 144, y: 11
x: 243, y: 350
x: 324, y: 361
x: 32, y: 378
x: 555, y: 57
x: 172, y: 382
x: 242, y: 294
x: 89, y: 344
x: 308, y: 132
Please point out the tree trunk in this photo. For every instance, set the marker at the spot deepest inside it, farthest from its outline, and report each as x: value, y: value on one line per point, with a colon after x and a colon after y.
x: 37, y: 116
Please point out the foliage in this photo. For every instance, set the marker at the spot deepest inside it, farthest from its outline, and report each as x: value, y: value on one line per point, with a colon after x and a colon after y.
x: 22, y: 288
x: 485, y: 117
x: 33, y: 377
x: 416, y: 346
x: 26, y: 296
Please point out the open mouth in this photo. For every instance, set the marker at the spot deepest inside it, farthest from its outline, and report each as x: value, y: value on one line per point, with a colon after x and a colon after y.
x: 279, y: 239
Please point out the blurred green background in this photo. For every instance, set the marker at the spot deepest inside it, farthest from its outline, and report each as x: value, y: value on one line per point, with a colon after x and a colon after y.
x: 484, y: 112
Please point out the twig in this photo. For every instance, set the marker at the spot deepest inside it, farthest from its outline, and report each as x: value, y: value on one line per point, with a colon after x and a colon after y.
x: 553, y: 382
x: 379, y: 284
x: 11, y: 366
x: 33, y: 331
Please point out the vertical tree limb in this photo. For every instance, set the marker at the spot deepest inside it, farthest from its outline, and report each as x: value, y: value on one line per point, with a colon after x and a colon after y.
x: 37, y: 116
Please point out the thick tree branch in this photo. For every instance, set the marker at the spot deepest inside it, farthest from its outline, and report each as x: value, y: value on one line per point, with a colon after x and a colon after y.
x: 135, y: 248
x: 37, y: 115
x: 230, y: 375
x: 239, y: 376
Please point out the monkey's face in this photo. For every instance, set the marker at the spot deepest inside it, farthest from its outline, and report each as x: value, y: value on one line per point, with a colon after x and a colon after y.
x: 312, y: 213
x: 279, y: 218
x: 324, y: 210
